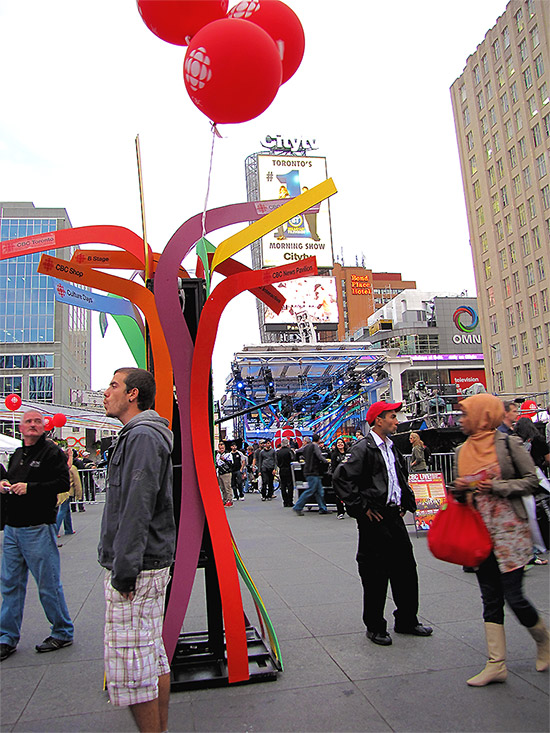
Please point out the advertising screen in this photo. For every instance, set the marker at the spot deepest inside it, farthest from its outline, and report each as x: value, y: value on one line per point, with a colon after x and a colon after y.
x: 464, y: 378
x: 283, y: 177
x: 314, y: 295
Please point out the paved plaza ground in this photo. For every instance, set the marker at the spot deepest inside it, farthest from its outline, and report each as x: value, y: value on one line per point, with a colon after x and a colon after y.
x: 334, y: 679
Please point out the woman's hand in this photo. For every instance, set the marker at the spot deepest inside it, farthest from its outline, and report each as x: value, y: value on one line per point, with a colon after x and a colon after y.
x: 485, y: 486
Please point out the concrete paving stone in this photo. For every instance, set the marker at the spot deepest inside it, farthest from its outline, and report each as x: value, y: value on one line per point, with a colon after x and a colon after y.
x: 335, y: 590
x: 337, y: 707
x: 331, y: 618
x: 460, y: 605
x: 442, y: 701
x: 76, y: 684
x: 115, y: 720
x: 361, y: 659
x: 525, y: 668
x: 18, y: 685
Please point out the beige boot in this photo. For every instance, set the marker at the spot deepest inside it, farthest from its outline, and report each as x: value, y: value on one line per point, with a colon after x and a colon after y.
x: 539, y: 632
x: 495, y: 669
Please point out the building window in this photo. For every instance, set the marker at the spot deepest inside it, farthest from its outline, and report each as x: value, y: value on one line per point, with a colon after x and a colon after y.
x: 487, y: 269
x: 485, y: 64
x: 500, y: 231
x: 480, y: 101
x: 492, y: 177
x: 521, y: 316
x: 41, y: 388
x: 509, y: 130
x: 531, y: 8
x: 515, y: 278
x: 480, y: 216
x: 510, y: 317
x: 540, y: 269
x: 466, y: 114
x: 496, y: 142
x: 541, y: 165
x: 545, y: 303
x: 510, y: 67
x: 496, y: 48
x: 541, y: 368
x: 498, y: 354
x: 522, y: 218
x: 491, y: 296
x: 504, y: 194
x: 513, y: 253
x: 539, y: 66
x: 530, y: 274
x: 514, y: 346
x: 535, y: 236
x: 528, y: 78
x: 525, y: 245
x: 543, y: 92
x: 534, y: 305
x: 517, y: 376
x: 477, y: 190
x: 514, y: 92
x: 532, y: 207
x: 535, y: 40
x: 504, y: 103
x: 473, y: 165
x: 532, y: 105
x: 537, y: 335
x: 500, y: 77
x: 11, y: 385
x: 495, y: 203
x: 484, y: 126
x: 462, y: 92
x: 493, y: 324
x: 537, y: 137
x: 519, y: 21
x: 483, y: 242
x: 499, y: 376
x: 506, y: 37
x: 527, y: 177
x: 513, y: 156
x: 547, y: 328
x: 545, y: 191
x: 476, y: 75
x: 516, y: 182
x: 527, y: 372
x: 503, y: 259
x: 519, y: 121
x: 470, y: 140
x: 522, y: 148
x: 509, y: 227
x: 524, y: 343
x: 492, y: 117
x: 523, y: 52
x: 507, y: 287
x: 488, y: 150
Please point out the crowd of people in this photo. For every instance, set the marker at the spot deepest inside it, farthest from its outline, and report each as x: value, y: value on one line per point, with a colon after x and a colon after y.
x: 498, y: 469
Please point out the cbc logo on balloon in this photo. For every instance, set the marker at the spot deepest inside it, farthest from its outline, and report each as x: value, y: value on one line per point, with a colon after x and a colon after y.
x: 197, y: 69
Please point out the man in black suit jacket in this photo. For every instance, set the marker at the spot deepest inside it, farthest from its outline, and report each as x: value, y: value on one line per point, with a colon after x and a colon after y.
x: 373, y: 485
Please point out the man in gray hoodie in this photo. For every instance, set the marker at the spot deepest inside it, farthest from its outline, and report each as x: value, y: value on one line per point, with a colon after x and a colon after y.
x: 137, y: 547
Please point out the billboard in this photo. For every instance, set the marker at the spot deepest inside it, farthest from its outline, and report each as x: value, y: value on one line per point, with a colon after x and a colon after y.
x: 464, y: 378
x: 315, y: 296
x: 284, y: 176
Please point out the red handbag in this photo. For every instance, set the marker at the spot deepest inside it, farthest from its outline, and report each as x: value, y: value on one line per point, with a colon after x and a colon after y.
x: 459, y: 535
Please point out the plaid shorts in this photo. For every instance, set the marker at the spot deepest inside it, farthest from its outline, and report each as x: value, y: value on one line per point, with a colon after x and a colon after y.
x: 134, y: 652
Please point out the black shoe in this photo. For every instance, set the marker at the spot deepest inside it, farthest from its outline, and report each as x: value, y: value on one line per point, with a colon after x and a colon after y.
x: 51, y: 644
x: 6, y: 650
x: 324, y: 511
x: 298, y: 512
x: 417, y: 630
x: 379, y: 637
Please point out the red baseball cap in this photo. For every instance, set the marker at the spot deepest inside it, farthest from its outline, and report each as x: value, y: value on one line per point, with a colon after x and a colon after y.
x: 379, y: 407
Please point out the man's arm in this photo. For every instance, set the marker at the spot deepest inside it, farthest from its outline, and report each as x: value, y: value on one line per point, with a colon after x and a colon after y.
x: 347, y: 479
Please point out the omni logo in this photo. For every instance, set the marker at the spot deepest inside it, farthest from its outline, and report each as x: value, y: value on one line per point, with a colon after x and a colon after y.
x: 461, y: 316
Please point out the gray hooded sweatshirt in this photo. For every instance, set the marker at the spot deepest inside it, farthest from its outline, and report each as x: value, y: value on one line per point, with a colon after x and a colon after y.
x: 138, y: 530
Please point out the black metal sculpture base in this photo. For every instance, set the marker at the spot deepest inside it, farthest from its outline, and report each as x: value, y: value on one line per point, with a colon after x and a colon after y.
x: 194, y: 666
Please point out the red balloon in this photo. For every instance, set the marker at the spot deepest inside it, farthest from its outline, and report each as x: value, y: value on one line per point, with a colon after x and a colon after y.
x: 232, y: 70
x: 48, y: 422
x: 176, y: 21
x: 528, y: 408
x: 13, y: 402
x: 282, y: 24
x: 59, y: 419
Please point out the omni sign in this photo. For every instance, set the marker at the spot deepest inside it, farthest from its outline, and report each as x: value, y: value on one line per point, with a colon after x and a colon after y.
x: 466, y: 320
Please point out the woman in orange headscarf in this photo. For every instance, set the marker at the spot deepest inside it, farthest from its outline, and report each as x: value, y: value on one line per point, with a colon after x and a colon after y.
x: 495, y: 471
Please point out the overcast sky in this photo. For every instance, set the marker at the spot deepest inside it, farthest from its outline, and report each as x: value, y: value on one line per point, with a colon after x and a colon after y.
x: 81, y: 79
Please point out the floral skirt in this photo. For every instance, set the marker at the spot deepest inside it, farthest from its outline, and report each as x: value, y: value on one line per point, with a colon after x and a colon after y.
x: 512, y: 543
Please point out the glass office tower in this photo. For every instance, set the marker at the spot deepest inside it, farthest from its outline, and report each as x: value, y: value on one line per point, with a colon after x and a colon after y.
x: 44, y: 345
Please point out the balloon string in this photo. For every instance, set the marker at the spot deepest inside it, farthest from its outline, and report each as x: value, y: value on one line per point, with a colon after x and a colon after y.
x: 215, y: 134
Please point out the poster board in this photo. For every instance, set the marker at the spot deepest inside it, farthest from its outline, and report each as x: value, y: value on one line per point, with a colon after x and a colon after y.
x: 429, y: 492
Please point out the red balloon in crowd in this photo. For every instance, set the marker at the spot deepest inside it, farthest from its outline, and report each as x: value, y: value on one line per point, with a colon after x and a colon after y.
x: 528, y: 408
x: 176, y: 21
x: 232, y: 70
x: 13, y: 402
x: 282, y: 24
x: 287, y: 432
x: 59, y: 420
x: 48, y: 422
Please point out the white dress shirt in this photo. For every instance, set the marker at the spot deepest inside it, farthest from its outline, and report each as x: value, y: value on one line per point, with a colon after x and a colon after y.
x: 394, y: 490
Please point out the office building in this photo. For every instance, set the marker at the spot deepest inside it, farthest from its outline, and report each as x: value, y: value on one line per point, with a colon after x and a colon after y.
x: 44, y: 345
x: 501, y: 108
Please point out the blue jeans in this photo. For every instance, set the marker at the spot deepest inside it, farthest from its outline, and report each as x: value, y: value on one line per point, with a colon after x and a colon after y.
x: 64, y: 517
x: 314, y: 488
x: 34, y: 549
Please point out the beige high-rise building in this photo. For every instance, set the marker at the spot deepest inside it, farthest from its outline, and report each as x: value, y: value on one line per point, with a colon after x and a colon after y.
x: 501, y: 107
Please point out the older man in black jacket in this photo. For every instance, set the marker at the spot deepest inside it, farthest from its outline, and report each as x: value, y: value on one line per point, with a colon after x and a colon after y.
x: 372, y: 483
x: 37, y: 473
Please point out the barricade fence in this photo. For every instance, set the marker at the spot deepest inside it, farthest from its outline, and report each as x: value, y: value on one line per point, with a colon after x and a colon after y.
x: 93, y: 486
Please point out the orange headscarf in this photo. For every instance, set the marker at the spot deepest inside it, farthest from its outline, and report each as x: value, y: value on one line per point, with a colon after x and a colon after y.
x: 478, y: 452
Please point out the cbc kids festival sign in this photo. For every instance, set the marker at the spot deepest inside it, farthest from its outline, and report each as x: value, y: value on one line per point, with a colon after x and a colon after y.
x: 283, y: 177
